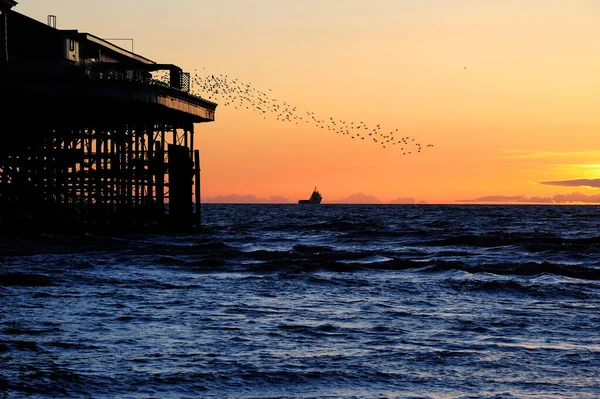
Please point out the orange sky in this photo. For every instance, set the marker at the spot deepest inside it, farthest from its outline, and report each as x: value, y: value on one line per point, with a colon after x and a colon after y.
x: 524, y: 111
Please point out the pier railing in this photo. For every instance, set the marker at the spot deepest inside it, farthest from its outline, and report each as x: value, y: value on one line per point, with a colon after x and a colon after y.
x: 52, y: 79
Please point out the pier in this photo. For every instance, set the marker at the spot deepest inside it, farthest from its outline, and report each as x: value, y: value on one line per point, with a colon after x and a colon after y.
x: 92, y: 138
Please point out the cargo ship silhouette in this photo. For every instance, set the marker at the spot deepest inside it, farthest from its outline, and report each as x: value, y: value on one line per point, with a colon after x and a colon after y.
x: 315, y: 198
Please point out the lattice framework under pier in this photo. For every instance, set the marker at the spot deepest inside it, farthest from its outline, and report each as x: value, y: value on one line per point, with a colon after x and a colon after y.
x: 101, y: 177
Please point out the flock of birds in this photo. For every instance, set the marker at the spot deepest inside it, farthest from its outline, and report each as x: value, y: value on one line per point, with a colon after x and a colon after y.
x: 232, y: 92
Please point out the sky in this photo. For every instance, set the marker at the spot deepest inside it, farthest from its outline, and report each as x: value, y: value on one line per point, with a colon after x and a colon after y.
x: 502, y: 95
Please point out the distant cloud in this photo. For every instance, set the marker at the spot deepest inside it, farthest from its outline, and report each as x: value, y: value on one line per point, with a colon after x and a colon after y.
x: 574, y: 183
x: 541, y: 200
x: 359, y: 198
x: 245, y: 199
x: 276, y: 199
x: 510, y: 199
x: 403, y: 201
x: 575, y: 197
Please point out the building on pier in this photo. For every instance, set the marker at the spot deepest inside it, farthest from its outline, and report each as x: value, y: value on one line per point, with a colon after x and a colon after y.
x: 94, y: 137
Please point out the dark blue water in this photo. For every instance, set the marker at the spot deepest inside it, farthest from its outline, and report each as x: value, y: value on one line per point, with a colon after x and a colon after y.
x: 328, y: 301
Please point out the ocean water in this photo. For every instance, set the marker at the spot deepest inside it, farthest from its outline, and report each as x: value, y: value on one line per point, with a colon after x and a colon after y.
x: 327, y: 301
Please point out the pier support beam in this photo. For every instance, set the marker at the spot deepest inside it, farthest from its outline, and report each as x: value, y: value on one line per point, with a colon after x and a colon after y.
x: 3, y: 39
x: 5, y: 5
x: 197, y: 187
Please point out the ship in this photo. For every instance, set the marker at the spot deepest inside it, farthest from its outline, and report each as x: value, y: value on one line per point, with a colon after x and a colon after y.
x: 315, y: 198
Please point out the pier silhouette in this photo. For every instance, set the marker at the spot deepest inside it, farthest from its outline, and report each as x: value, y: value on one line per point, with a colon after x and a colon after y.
x: 93, y: 139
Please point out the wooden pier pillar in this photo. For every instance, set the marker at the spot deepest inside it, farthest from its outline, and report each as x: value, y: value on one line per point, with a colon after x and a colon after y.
x: 159, y: 181
x: 3, y: 38
x: 5, y: 6
x: 197, y: 187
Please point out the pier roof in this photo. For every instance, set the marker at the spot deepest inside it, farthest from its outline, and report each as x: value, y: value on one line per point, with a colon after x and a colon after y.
x: 110, y: 46
x: 56, y: 69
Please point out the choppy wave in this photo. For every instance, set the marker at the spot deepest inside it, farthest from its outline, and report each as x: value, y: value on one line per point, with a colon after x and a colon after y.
x: 280, y: 301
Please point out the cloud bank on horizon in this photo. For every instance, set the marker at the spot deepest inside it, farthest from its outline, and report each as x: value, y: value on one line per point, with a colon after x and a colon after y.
x: 569, y: 198
x: 245, y: 199
x: 358, y: 198
x: 361, y: 198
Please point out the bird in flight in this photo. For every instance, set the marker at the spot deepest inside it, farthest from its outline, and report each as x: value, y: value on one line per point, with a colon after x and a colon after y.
x: 242, y: 95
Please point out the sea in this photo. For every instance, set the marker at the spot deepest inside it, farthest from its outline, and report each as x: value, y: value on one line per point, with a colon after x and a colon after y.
x: 310, y: 301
